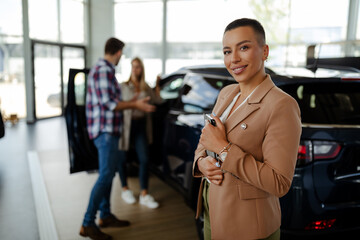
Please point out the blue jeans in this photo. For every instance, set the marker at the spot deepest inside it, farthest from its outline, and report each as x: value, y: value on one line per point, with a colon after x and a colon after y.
x: 108, y: 153
x: 138, y: 139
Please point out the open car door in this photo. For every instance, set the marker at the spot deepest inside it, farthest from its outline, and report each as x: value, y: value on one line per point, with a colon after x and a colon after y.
x: 82, y: 151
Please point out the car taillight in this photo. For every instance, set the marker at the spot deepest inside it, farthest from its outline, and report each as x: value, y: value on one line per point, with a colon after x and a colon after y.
x: 305, y: 153
x: 350, y: 79
x: 310, y: 151
x: 326, y: 150
x: 320, y: 224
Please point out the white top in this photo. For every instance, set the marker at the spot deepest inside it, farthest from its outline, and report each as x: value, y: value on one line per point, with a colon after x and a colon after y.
x: 225, y: 114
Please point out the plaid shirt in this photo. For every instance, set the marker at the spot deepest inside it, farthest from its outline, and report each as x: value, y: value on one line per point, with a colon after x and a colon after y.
x: 103, y: 94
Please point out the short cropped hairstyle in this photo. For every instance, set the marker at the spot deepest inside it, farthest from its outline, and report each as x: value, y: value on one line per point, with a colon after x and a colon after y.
x: 113, y: 45
x: 254, y: 24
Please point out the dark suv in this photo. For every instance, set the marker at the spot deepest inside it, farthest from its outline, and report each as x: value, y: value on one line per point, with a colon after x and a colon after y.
x: 324, y: 198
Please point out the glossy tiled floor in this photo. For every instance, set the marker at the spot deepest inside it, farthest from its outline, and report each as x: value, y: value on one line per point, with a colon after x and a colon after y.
x: 17, y: 209
x: 68, y: 194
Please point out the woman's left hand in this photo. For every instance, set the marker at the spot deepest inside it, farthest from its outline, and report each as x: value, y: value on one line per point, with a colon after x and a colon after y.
x: 157, y: 86
x: 213, y: 138
x: 158, y: 79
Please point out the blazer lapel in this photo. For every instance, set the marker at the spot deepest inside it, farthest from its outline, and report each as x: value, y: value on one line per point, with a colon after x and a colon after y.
x: 239, y: 115
x: 225, y: 100
x: 253, y: 103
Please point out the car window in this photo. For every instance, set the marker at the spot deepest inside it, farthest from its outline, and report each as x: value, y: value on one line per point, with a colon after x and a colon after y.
x: 328, y: 103
x: 171, y: 88
x: 80, y: 88
x: 199, y: 92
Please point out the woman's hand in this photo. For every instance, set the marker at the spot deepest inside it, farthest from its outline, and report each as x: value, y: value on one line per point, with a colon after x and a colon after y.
x: 157, y: 86
x: 158, y: 79
x: 143, y: 105
x: 213, y: 138
x: 207, y: 166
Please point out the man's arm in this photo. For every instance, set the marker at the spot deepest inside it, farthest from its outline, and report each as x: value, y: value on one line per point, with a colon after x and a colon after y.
x: 140, y: 104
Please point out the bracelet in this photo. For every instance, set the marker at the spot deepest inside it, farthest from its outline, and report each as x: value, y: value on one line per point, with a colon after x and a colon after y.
x: 227, y: 148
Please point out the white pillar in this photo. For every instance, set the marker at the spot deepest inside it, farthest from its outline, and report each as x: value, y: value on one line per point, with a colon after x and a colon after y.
x: 164, y: 40
x: 353, y: 15
x: 101, y: 22
x: 352, y: 19
x: 29, y: 82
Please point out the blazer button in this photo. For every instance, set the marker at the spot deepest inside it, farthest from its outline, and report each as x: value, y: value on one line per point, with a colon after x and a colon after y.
x: 243, y: 126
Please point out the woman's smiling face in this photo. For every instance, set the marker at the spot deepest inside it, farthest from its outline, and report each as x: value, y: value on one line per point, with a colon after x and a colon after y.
x: 244, y: 54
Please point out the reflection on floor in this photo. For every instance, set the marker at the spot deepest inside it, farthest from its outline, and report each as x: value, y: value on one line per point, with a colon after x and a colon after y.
x: 68, y: 193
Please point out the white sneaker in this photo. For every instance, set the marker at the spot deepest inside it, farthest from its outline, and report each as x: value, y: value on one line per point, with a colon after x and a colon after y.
x: 148, y: 201
x: 128, y: 197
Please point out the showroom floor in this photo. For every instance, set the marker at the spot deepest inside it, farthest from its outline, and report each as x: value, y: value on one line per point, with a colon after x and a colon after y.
x: 34, y: 165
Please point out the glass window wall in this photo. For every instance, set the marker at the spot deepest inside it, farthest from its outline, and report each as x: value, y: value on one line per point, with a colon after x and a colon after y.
x: 47, y: 81
x: 72, y: 21
x: 10, y: 17
x: 311, y: 24
x: 43, y: 24
x: 318, y: 21
x: 63, y: 20
x: 139, y: 25
x: 12, y: 83
x: 50, y: 80
x: 53, y: 33
x: 194, y: 28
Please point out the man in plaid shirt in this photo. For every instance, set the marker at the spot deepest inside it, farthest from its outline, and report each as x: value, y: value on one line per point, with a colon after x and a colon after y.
x: 104, y: 122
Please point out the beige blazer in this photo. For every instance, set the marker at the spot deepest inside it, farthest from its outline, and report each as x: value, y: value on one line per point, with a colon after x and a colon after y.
x: 265, y: 134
